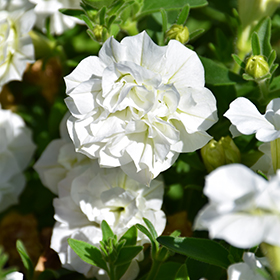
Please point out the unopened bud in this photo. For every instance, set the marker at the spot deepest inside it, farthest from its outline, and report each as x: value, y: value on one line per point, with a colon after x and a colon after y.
x: 257, y: 67
x: 216, y: 154
x: 97, y: 31
x: 179, y: 33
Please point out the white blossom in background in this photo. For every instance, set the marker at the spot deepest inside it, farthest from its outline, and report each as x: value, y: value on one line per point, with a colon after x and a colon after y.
x: 59, y: 159
x: 16, y: 48
x: 14, y: 276
x: 138, y: 105
x: 243, y: 207
x: 16, y: 150
x: 50, y: 8
x: 246, y: 118
x: 99, y: 194
x: 250, y: 269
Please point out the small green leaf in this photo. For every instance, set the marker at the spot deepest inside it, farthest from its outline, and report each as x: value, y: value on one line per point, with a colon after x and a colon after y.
x: 183, y: 16
x: 25, y: 259
x: 151, y: 228
x: 255, y: 43
x: 111, y: 20
x: 196, y: 33
x: 130, y: 236
x: 247, y: 77
x: 216, y: 74
x: 121, y: 269
x: 168, y: 270
x: 271, y: 58
x: 182, y: 273
x: 107, y: 232
x: 88, y: 253
x: 102, y: 15
x: 203, y: 250
x: 87, y: 21
x: 72, y: 12
x: 238, y: 61
x: 164, y: 20
x: 127, y: 254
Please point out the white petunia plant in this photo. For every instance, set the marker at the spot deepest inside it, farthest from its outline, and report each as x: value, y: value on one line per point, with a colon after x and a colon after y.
x: 137, y: 105
x: 16, y: 151
x: 16, y: 48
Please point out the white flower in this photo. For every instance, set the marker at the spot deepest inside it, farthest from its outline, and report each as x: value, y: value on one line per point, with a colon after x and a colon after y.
x: 16, y: 150
x: 59, y: 159
x: 248, y: 120
x: 58, y: 22
x: 14, y: 276
x: 243, y: 207
x: 16, y: 48
x: 99, y: 194
x: 249, y: 270
x: 139, y: 105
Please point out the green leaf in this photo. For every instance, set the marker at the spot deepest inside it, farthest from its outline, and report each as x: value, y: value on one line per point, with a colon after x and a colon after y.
x: 127, y: 254
x: 87, y: 21
x: 130, y: 236
x: 183, y: 16
x: 25, y: 259
x: 216, y: 74
x: 151, y: 6
x: 263, y: 29
x: 196, y: 33
x: 151, y: 228
x: 102, y: 15
x: 255, y: 43
x: 121, y: 269
x: 72, y: 12
x: 271, y: 58
x: 238, y: 61
x: 107, y: 232
x: 88, y: 253
x: 182, y: 273
x: 48, y: 274
x: 203, y: 250
x: 247, y: 77
x: 168, y: 270
x: 164, y: 20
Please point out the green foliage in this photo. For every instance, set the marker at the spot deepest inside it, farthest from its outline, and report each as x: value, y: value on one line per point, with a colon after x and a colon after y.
x: 26, y: 260
x: 3, y: 261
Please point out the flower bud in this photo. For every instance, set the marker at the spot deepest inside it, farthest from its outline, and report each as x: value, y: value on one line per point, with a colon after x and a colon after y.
x: 179, y: 33
x: 97, y: 31
x: 257, y: 67
x: 216, y: 154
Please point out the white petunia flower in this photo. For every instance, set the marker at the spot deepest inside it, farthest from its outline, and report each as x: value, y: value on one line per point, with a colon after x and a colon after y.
x: 14, y: 276
x: 244, y: 115
x: 99, y: 194
x: 50, y: 8
x: 59, y: 159
x: 16, y: 48
x: 16, y: 150
x: 249, y: 270
x: 243, y: 207
x: 139, y: 105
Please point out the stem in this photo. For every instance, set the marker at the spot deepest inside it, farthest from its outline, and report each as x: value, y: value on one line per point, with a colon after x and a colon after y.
x: 154, y: 270
x: 112, y: 272
x: 263, y: 90
x: 275, y: 153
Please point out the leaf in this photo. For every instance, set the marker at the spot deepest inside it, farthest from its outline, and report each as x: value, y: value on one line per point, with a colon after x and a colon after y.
x: 164, y: 20
x: 183, y: 16
x: 107, y: 232
x: 168, y: 270
x: 151, y: 228
x: 88, y: 253
x: 130, y: 236
x: 216, y: 74
x: 72, y: 12
x: 102, y: 15
x: 87, y: 22
x: 151, y: 6
x: 48, y: 274
x: 196, y: 33
x: 25, y: 259
x: 182, y: 273
x: 238, y: 61
x: 271, y: 58
x: 127, y: 254
x: 121, y: 269
x: 263, y: 29
x: 203, y: 250
x: 256, y: 48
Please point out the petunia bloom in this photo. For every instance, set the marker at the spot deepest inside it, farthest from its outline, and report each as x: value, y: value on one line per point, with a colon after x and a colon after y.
x: 243, y: 207
x: 248, y: 270
x: 138, y: 105
x: 16, y: 150
x: 50, y: 8
x: 14, y: 276
x: 16, y: 48
x: 244, y: 115
x: 99, y: 194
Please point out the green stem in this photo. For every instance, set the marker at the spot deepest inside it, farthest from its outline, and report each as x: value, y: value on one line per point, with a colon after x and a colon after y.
x: 154, y: 270
x: 275, y: 153
x: 263, y: 86
x: 112, y: 272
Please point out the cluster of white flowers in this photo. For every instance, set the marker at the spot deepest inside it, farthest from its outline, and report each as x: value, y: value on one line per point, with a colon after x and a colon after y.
x: 50, y: 9
x: 14, y: 276
x: 139, y: 105
x: 16, y: 150
x: 243, y: 207
x: 16, y: 48
x: 88, y: 194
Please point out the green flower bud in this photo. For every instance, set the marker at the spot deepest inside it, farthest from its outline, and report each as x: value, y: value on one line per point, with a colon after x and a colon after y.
x: 257, y: 67
x: 179, y: 33
x: 216, y: 154
x: 98, y: 31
